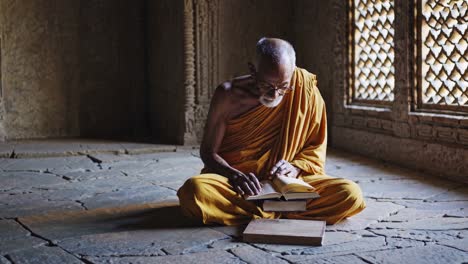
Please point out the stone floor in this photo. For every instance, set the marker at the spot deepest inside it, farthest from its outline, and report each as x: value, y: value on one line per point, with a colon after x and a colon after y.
x: 116, y: 203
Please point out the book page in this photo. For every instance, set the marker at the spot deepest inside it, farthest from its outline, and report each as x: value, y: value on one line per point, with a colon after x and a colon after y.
x: 268, y: 192
x: 287, y: 184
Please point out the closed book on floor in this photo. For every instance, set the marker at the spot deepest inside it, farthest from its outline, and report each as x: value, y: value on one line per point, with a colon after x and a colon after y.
x: 284, y: 187
x: 285, y: 231
x: 284, y: 206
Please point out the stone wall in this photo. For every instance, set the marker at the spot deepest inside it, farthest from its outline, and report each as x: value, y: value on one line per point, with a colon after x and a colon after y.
x: 72, y: 68
x: 224, y: 36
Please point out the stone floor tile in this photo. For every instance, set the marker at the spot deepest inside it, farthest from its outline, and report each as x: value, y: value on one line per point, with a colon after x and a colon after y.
x: 409, y: 189
x: 41, y: 255
x: 211, y: 257
x: 60, y: 226
x: 10, y: 229
x: 50, y: 164
x: 149, y: 242
x: 48, y: 148
x: 456, y: 194
x: 363, y: 244
x: 415, y: 255
x: 374, y: 212
x: 461, y: 244
x: 250, y: 254
x: 123, y: 197
x: 8, y: 246
x: 441, y: 223
x: 418, y: 235
x: 346, y: 259
x: 19, y: 205
x: 373, y: 172
x: 408, y: 214
x: 142, y: 148
x: 24, y: 180
x: 224, y: 244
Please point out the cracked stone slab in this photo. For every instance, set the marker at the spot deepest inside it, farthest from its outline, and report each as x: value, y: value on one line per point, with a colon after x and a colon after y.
x: 211, y: 257
x: 250, y: 254
x: 419, y: 235
x: 106, y: 185
x: 10, y: 229
x: 398, y: 242
x: 342, y: 158
x: 50, y: 164
x: 330, y: 238
x: 408, y: 214
x: 19, y: 205
x: 432, y: 206
x: 123, y: 197
x: 49, y: 255
x: 457, y: 194
x: 63, y: 225
x: 363, y: 244
x: 425, y: 254
x: 373, y: 172
x: 461, y: 244
x: 49, y: 148
x: 164, y: 178
x: 449, y: 208
x: 173, y: 185
x: 143, y: 148
x: 223, y: 244
x: 374, y: 212
x: 148, y: 242
x: 346, y: 259
x: 8, y: 246
x: 442, y: 223
x: 129, y: 166
x: 413, y: 189
x: 90, y: 175
x: 24, y: 180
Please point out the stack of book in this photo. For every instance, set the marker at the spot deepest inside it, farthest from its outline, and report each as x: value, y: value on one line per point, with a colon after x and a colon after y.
x: 284, y: 194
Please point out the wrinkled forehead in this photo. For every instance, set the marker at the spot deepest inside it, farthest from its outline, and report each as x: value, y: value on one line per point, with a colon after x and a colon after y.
x: 274, y: 73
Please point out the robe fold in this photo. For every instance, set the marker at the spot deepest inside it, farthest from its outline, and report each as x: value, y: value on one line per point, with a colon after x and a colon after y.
x: 296, y: 131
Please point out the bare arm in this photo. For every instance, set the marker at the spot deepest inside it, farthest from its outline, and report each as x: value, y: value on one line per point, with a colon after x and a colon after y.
x: 214, y: 132
x: 213, y: 135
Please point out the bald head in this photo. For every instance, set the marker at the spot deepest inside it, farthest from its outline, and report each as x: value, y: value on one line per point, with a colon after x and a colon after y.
x: 275, y: 53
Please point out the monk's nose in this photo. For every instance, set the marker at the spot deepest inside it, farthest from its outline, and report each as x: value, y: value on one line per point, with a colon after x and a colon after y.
x: 272, y: 94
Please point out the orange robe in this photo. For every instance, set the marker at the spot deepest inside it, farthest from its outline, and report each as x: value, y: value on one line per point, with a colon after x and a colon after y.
x: 296, y: 131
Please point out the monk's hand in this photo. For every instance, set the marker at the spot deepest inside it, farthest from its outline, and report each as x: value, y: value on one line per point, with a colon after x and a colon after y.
x: 245, y: 183
x: 284, y: 168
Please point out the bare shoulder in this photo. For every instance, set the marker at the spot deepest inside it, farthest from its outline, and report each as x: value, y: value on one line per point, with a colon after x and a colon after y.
x: 229, y: 93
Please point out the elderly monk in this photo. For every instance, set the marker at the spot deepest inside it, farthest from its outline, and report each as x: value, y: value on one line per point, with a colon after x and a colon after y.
x: 268, y: 123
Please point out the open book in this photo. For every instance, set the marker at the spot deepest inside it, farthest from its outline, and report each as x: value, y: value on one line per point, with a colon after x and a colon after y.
x: 287, y: 187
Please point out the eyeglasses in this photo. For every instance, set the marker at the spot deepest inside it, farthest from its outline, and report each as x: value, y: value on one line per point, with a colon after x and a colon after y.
x: 268, y: 87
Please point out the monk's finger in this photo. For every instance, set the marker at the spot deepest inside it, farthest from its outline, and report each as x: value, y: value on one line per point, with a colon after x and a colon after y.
x: 246, y: 188
x: 238, y: 190
x: 276, y: 166
x: 255, y: 180
x: 253, y: 187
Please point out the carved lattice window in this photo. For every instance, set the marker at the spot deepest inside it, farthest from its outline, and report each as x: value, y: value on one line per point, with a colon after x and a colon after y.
x: 372, y: 51
x: 442, y: 51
